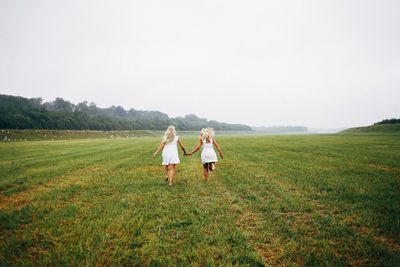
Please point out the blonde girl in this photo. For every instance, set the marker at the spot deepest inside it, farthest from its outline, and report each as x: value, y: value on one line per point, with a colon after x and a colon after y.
x: 170, y: 152
x: 208, y: 156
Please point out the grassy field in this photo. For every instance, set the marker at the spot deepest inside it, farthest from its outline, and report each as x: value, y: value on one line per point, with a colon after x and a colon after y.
x: 274, y: 200
x: 52, y: 135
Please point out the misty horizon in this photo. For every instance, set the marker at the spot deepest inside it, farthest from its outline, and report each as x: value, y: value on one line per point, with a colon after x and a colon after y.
x: 310, y: 129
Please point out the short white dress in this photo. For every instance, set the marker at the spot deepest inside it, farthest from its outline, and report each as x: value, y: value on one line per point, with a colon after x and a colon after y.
x: 170, y: 152
x: 208, y: 154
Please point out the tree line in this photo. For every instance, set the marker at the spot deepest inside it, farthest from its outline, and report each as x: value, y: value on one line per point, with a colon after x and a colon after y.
x: 22, y: 113
x: 388, y: 121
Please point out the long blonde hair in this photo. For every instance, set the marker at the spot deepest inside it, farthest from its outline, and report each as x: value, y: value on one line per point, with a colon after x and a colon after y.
x: 207, y: 133
x: 169, y: 134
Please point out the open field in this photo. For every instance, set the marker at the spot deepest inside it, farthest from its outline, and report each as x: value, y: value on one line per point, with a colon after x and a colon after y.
x: 273, y: 200
x: 51, y: 135
x: 8, y: 135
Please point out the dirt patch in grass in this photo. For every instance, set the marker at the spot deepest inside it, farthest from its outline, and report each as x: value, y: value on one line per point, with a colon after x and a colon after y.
x: 9, y: 187
x: 290, y: 189
x: 385, y: 168
x: 20, y: 199
x: 23, y: 198
x: 270, y: 253
x: 380, y: 167
x: 391, y: 243
x: 299, y: 218
x: 353, y: 262
x: 15, y: 200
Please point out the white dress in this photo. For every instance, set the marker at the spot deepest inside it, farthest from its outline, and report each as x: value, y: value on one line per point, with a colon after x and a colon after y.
x: 208, y: 153
x: 170, y: 152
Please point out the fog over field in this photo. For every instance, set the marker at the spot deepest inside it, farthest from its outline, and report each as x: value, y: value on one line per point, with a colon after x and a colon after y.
x: 319, y: 64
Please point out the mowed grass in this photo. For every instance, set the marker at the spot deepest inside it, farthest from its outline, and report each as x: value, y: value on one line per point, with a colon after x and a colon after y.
x: 273, y: 200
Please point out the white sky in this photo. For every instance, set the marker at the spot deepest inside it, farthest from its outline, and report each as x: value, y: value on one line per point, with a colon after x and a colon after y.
x: 318, y: 63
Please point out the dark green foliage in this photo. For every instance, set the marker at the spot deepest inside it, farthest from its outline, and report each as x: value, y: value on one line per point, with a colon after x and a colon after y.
x: 23, y: 113
x: 391, y: 121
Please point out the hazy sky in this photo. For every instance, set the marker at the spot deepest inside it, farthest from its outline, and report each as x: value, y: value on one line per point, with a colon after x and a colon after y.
x: 314, y: 63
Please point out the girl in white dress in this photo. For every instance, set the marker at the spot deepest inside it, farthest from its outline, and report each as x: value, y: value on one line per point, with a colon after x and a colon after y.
x: 170, y: 152
x: 208, y: 156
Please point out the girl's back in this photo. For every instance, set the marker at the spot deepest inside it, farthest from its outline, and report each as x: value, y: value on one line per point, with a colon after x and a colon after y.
x: 208, y: 153
x: 170, y: 152
x: 207, y: 143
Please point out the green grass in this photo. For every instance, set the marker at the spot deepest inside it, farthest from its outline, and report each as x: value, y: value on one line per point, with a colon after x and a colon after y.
x: 274, y: 200
x: 51, y: 135
x: 12, y: 135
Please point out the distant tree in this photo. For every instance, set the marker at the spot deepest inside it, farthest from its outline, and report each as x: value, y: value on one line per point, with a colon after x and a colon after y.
x: 92, y: 108
x: 36, y: 102
x: 60, y: 104
x: 82, y: 106
x: 116, y: 111
x: 133, y: 113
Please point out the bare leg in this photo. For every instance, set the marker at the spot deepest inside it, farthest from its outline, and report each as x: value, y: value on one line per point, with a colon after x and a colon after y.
x: 212, y: 166
x: 166, y: 172
x: 206, y: 172
x: 171, y: 174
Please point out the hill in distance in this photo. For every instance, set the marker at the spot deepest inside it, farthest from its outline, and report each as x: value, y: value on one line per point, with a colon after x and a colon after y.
x: 385, y: 127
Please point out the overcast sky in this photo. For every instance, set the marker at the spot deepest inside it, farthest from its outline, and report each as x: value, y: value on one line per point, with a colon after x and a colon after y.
x: 321, y: 64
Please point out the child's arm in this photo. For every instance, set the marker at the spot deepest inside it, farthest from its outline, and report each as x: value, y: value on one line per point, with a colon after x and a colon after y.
x: 159, y: 149
x: 182, y: 147
x: 194, y: 150
x: 216, y: 145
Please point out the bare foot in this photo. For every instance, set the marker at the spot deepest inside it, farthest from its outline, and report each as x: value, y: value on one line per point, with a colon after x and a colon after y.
x: 212, y: 167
